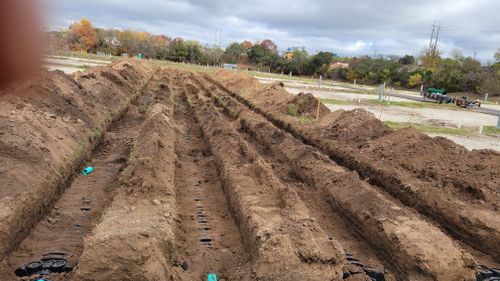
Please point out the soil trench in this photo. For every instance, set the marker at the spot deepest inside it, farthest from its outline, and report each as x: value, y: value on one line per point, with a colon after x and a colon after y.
x: 82, y: 204
x: 474, y: 224
x: 208, y: 237
x: 331, y: 223
x: 383, y: 212
x: 192, y: 179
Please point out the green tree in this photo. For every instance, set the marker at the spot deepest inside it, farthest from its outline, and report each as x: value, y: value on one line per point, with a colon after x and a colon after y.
x: 178, y: 50
x: 407, y: 60
x: 415, y: 80
x: 234, y: 52
x: 319, y: 63
x: 260, y: 55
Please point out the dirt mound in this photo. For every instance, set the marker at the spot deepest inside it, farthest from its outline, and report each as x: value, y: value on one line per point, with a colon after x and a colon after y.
x: 238, y: 80
x: 476, y: 173
x: 273, y: 96
x: 305, y: 104
x: 353, y: 126
x: 357, y: 125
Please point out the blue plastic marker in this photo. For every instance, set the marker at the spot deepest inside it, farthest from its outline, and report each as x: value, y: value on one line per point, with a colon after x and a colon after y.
x: 87, y: 170
x: 212, y: 277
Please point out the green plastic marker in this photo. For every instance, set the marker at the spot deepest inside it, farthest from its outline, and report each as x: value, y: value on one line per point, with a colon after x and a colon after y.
x: 212, y: 277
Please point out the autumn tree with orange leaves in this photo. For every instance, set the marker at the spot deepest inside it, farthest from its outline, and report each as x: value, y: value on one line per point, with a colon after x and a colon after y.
x: 82, y: 36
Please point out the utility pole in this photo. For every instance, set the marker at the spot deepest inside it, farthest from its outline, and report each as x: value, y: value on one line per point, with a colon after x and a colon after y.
x: 432, y: 49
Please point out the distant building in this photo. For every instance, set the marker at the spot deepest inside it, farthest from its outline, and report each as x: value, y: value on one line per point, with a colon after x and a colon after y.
x: 230, y: 66
x: 336, y: 65
x: 289, y: 54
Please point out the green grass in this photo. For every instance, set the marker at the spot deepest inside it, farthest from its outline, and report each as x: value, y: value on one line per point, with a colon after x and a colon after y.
x: 335, y: 101
x: 408, y: 104
x: 413, y: 104
x: 305, y: 119
x: 464, y: 131
x: 491, y: 130
x: 293, y: 109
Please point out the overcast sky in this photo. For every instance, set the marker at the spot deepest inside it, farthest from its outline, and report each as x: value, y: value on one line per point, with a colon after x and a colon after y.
x: 346, y: 27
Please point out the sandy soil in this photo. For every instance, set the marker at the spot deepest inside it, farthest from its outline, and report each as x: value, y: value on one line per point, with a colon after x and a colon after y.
x: 478, y: 142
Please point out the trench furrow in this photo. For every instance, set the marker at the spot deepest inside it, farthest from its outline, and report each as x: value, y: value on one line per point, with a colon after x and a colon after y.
x: 284, y: 241
x: 60, y: 234
x: 208, y: 239
x: 332, y: 224
x: 466, y: 223
x: 383, y: 218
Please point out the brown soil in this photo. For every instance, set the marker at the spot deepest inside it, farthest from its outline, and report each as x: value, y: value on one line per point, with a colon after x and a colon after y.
x: 203, y: 209
x: 442, y: 180
x: 365, y: 207
x: 307, y: 105
x: 353, y: 127
x: 284, y: 242
x: 134, y: 240
x: 193, y: 178
x: 48, y: 126
x: 436, y: 159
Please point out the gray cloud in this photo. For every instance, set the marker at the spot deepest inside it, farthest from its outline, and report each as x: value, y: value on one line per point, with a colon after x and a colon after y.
x: 353, y: 27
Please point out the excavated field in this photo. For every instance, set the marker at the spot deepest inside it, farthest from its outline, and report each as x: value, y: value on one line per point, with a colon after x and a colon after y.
x: 197, y: 174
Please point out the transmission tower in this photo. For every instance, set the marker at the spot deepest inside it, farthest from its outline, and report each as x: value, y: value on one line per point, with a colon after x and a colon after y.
x: 218, y: 37
x: 432, y: 50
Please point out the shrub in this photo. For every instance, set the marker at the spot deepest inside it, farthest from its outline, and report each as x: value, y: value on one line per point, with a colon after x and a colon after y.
x: 293, y: 109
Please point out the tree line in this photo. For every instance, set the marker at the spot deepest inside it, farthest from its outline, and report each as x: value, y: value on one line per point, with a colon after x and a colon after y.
x: 457, y: 73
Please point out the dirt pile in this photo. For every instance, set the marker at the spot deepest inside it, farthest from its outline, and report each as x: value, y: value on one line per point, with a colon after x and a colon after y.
x: 272, y: 96
x: 238, y: 80
x: 47, y: 128
x: 354, y: 127
x: 305, y: 104
x: 476, y: 174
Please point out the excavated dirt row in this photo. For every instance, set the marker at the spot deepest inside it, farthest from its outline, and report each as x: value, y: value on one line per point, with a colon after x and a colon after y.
x: 469, y: 213
x: 207, y: 238
x: 83, y: 202
x: 48, y: 127
x: 283, y: 241
x: 191, y: 178
x: 415, y: 248
x: 135, y: 238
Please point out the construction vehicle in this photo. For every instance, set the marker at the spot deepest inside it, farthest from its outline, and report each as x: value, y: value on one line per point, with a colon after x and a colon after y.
x: 465, y: 102
x: 440, y: 96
